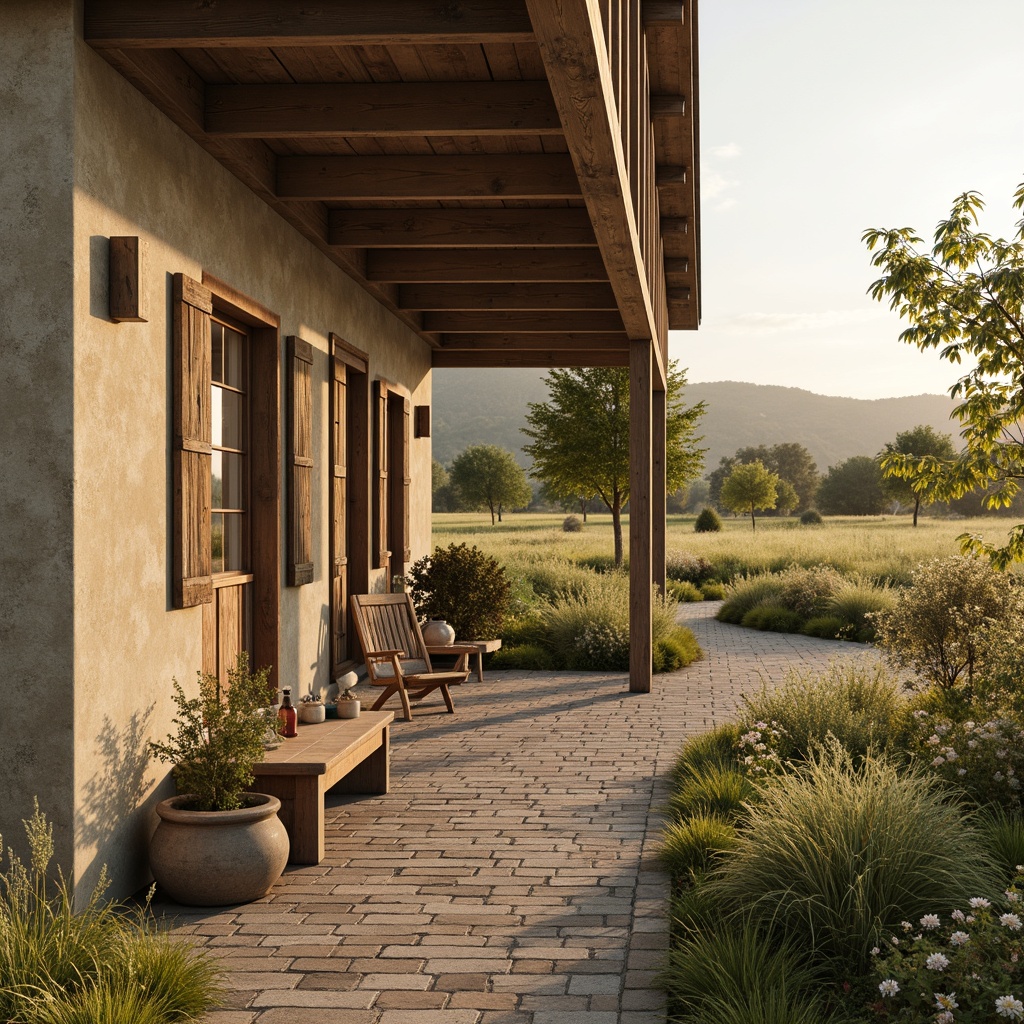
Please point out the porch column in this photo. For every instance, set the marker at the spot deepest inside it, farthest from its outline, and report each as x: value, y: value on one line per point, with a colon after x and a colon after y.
x: 658, y: 488
x: 641, y: 354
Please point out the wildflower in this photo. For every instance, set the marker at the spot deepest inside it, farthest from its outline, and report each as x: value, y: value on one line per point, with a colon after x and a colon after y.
x: 1011, y: 921
x: 959, y: 939
x: 889, y: 987
x: 1007, y: 1006
x: 933, y: 740
x: 760, y: 725
x: 937, y: 962
x: 957, y: 915
x: 875, y: 951
x: 894, y: 941
x: 938, y: 761
x: 979, y: 903
x: 951, y: 754
x: 906, y: 925
x: 930, y: 921
x: 961, y: 771
x: 1012, y: 897
x: 946, y: 1017
x: 944, y: 1002
x: 999, y: 776
x: 920, y: 714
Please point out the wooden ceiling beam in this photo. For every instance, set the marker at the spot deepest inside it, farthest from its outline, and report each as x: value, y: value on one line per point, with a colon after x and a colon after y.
x: 522, y: 321
x: 580, y: 341
x: 524, y: 358
x: 506, y: 296
x: 548, y: 176
x: 416, y: 227
x: 385, y: 109
x: 670, y: 13
x: 175, y: 24
x: 573, y: 47
x: 421, y: 266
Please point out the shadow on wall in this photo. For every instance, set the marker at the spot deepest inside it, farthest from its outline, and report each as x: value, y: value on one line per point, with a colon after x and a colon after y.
x: 116, y: 789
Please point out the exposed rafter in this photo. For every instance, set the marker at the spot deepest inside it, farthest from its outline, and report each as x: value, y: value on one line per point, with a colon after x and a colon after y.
x: 506, y: 296
x: 460, y: 228
x: 381, y: 110
x: 538, y: 358
x: 568, y: 342
x: 532, y: 322
x: 247, y: 23
x: 385, y: 178
x: 408, y: 266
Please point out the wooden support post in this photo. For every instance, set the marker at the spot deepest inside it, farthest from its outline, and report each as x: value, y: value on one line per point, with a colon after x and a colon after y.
x: 641, y: 360
x: 659, y: 488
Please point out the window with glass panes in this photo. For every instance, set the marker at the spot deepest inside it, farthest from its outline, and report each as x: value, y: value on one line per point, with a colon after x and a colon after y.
x: 229, y: 525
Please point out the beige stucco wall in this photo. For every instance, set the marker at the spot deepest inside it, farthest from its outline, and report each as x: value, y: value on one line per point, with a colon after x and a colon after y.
x: 135, y: 173
x: 36, y: 402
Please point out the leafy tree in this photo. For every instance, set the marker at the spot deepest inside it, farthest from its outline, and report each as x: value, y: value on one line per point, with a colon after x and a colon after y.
x: 920, y: 441
x: 790, y: 462
x: 966, y: 298
x: 581, y: 436
x: 786, y: 498
x: 489, y: 477
x: 852, y: 488
x: 438, y: 476
x: 748, y: 487
x: 718, y: 476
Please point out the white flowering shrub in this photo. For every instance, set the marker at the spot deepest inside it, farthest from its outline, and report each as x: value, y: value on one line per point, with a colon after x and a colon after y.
x: 948, y: 625
x: 967, y: 966
x: 984, y: 759
x: 601, y: 646
x: 758, y: 748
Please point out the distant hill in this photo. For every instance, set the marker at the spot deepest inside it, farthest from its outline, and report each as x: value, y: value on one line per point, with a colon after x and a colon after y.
x: 489, y: 407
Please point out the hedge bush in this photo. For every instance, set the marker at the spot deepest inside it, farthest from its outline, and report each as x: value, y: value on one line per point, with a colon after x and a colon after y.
x: 708, y: 522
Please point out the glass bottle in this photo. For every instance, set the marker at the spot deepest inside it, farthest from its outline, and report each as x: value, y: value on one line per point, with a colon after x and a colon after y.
x: 286, y: 714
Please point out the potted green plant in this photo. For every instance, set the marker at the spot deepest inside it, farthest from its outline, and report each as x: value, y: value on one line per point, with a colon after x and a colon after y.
x: 216, y: 843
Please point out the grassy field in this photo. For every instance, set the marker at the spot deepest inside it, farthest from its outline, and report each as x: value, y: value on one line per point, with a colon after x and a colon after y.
x: 882, y: 547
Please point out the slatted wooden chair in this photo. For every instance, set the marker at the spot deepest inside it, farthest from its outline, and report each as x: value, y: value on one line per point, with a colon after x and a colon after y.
x: 396, y: 656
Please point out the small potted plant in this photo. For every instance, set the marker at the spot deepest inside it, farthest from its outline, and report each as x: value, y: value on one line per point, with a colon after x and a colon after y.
x: 348, y: 705
x: 311, y: 709
x: 216, y: 843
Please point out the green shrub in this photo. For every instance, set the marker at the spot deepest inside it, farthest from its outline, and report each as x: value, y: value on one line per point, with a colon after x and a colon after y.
x: 774, y: 618
x: 857, y: 602
x: 58, y: 965
x: 675, y: 651
x: 712, y: 789
x: 748, y: 593
x: 553, y: 579
x: 714, y: 748
x: 811, y: 517
x: 684, y: 591
x: 713, y: 591
x: 833, y: 856
x: 692, y: 847
x: 957, y: 613
x: 732, y: 976
x: 687, y: 568
x: 708, y: 522
x: 572, y: 524
x: 859, y: 703
x: 462, y: 585
x: 826, y: 627
x: 526, y: 629
x: 603, y: 564
x: 809, y: 591
x: 528, y: 657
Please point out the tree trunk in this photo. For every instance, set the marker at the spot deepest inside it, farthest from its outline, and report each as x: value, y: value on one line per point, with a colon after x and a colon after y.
x: 490, y: 505
x: 499, y: 512
x: 753, y: 521
x: 917, y: 505
x: 583, y: 508
x: 616, y: 511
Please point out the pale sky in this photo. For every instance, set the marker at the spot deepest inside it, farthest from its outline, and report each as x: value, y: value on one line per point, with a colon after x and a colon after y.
x: 820, y: 118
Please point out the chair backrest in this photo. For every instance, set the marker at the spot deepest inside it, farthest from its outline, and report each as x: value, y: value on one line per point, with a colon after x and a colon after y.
x: 387, y: 622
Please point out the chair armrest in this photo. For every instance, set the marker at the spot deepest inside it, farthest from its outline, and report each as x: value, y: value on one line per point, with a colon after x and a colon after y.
x: 383, y: 655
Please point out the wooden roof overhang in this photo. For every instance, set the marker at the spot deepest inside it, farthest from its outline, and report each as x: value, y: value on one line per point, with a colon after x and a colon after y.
x: 517, y: 180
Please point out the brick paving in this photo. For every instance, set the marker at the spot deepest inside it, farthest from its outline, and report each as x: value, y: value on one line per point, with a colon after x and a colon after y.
x: 510, y: 876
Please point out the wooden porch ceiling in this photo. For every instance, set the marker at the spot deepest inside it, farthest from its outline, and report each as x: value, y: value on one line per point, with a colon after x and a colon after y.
x: 516, y: 179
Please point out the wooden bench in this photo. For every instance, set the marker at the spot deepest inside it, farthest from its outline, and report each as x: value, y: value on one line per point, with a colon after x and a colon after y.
x: 346, y: 755
x: 482, y: 647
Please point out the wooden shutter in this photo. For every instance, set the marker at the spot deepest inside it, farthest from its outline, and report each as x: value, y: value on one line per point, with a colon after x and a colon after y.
x: 406, y: 479
x: 381, y: 552
x: 339, y: 521
x: 192, y: 424
x: 300, y: 462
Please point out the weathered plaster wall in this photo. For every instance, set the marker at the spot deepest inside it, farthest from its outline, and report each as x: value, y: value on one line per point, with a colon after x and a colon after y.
x: 137, y: 174
x: 36, y: 417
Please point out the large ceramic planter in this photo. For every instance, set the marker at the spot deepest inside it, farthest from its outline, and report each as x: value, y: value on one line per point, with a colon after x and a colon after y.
x: 215, y: 858
x: 437, y: 633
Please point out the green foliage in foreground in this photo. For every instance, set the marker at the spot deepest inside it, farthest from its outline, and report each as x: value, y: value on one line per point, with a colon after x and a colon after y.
x: 102, y: 965
x: 966, y: 299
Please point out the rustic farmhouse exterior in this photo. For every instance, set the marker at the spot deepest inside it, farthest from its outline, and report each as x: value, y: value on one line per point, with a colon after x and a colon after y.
x: 238, y: 237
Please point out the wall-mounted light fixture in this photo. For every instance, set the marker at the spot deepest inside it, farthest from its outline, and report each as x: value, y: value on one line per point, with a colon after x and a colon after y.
x: 125, y: 290
x: 421, y: 421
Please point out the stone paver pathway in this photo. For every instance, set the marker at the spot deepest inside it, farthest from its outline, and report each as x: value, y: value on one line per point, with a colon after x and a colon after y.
x: 510, y: 875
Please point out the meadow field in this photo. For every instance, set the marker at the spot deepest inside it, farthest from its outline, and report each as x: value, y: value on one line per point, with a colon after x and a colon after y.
x: 883, y: 548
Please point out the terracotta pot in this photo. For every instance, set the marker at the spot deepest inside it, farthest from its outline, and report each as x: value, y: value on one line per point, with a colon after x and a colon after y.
x: 437, y: 633
x: 216, y: 858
